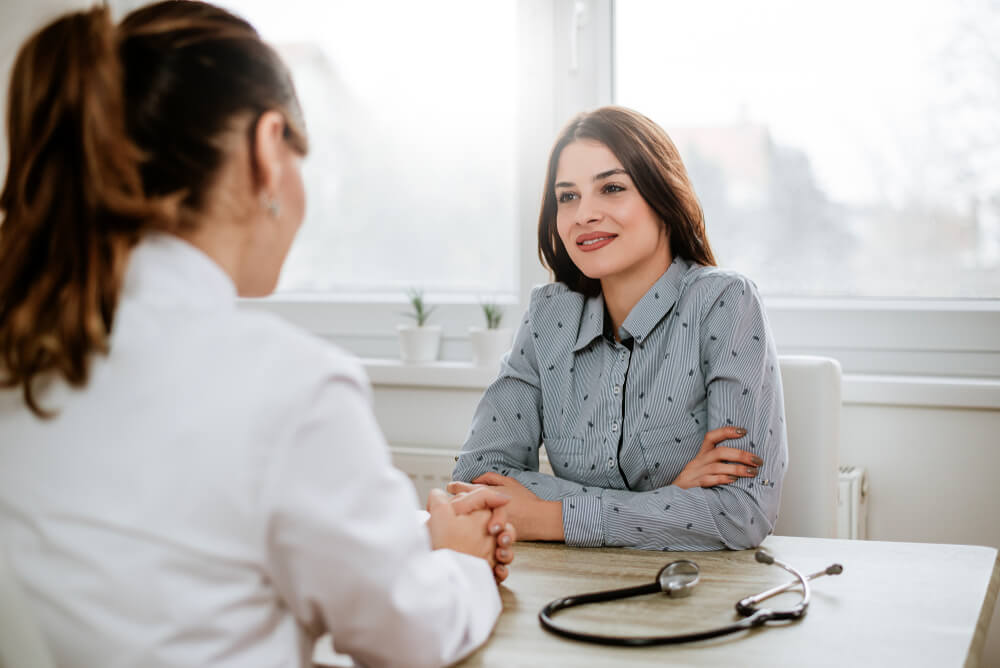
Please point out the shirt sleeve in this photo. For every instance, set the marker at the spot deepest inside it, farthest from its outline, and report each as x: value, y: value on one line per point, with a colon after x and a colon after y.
x: 743, y: 389
x: 348, y: 555
x: 507, y: 426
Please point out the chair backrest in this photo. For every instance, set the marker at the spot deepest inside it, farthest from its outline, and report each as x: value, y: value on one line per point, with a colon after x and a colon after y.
x: 21, y: 643
x: 811, y: 387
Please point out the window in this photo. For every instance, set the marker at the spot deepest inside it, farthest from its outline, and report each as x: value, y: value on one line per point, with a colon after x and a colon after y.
x: 846, y: 149
x: 410, y: 108
x: 843, y: 157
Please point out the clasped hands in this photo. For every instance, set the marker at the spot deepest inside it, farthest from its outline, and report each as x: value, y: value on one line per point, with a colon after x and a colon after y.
x: 475, y: 523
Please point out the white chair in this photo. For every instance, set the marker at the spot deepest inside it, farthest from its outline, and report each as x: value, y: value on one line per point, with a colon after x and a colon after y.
x: 21, y: 643
x: 812, y: 418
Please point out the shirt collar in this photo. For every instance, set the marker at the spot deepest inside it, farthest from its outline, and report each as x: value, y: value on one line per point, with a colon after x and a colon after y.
x: 657, y: 302
x: 644, y: 316
x: 166, y: 270
x: 591, y: 322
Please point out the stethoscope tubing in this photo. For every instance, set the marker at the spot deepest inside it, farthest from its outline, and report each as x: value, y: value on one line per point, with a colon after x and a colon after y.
x: 752, y: 616
x: 641, y: 641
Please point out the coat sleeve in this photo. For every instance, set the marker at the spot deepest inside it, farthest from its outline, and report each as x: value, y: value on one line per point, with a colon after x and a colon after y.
x: 347, y: 553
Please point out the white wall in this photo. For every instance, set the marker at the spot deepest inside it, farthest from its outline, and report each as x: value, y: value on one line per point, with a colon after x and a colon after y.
x: 18, y: 20
x: 932, y: 469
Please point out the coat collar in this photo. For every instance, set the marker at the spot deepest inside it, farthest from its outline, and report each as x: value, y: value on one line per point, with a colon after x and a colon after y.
x: 166, y: 270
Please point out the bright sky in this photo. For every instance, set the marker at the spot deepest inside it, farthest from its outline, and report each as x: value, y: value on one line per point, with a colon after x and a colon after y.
x: 464, y: 41
x: 828, y: 78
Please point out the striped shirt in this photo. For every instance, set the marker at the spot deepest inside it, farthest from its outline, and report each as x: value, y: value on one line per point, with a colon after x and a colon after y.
x: 620, y: 420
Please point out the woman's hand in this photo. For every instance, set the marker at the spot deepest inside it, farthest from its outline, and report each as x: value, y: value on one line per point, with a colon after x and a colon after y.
x: 467, y: 533
x: 487, y: 498
x: 715, y: 465
x: 534, y: 518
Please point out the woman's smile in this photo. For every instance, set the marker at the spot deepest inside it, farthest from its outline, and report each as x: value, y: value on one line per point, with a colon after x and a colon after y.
x: 594, y: 240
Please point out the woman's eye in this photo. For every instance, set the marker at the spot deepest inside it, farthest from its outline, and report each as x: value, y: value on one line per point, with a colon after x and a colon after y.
x: 613, y: 188
x: 566, y: 197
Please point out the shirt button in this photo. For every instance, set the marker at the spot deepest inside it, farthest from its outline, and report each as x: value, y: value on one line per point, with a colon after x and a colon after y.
x: 611, y: 463
x: 622, y: 356
x: 614, y: 426
x: 618, y: 389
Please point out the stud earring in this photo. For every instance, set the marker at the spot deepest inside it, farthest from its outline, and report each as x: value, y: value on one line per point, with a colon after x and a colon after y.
x: 272, y: 205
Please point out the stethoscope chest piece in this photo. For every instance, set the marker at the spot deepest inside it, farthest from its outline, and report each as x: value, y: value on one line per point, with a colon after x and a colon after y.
x: 678, y: 578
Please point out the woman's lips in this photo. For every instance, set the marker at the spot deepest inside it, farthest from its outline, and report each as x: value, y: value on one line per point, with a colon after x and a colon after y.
x: 592, y: 242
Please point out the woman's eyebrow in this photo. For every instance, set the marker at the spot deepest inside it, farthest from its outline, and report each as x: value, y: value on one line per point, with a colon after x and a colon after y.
x: 610, y: 172
x: 597, y: 177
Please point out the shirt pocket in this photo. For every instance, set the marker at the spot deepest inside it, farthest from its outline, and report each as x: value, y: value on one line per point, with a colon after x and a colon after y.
x: 668, y: 449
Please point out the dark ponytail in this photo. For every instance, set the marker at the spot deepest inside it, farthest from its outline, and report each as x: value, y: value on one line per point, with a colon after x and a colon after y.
x: 73, y: 202
x: 114, y: 132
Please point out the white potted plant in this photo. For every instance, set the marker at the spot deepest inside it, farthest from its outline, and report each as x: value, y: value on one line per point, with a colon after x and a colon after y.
x: 419, y: 342
x: 490, y: 343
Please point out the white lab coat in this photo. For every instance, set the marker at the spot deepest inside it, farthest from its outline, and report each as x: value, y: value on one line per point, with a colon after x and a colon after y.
x: 219, y: 494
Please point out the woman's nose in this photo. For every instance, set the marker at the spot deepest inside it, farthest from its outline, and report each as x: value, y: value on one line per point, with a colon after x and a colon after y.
x: 587, y: 211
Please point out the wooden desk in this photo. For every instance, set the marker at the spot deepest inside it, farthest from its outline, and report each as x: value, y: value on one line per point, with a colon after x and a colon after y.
x: 896, y: 604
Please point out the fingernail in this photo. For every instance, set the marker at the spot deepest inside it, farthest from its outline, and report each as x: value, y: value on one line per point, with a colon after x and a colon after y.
x: 741, y: 431
x: 733, y: 478
x: 504, y: 554
x: 505, y: 539
x: 495, y: 529
x: 757, y: 460
x: 751, y: 471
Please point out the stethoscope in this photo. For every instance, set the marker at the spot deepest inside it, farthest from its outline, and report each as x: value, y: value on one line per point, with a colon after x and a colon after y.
x: 676, y: 580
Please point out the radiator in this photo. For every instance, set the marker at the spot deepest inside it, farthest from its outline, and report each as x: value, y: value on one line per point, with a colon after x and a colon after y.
x: 852, y: 503
x: 431, y: 467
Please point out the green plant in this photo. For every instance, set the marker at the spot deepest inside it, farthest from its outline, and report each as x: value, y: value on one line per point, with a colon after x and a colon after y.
x: 420, y: 309
x: 493, y: 314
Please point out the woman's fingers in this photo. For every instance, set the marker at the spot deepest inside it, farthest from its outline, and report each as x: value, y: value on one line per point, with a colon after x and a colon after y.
x: 490, y: 479
x: 738, y: 470
x: 436, y: 500
x: 716, y: 479
x: 456, y: 487
x: 735, y: 455
x: 483, y: 498
x: 716, y: 436
x: 478, y: 499
x: 500, y: 573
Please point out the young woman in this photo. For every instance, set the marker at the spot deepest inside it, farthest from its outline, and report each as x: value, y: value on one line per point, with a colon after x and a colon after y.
x: 183, y: 483
x: 649, y: 374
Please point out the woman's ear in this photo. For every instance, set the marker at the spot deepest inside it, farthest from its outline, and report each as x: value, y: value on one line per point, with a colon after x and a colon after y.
x: 267, y: 147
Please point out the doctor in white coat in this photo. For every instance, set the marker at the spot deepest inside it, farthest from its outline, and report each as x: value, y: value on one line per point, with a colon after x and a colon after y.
x: 183, y: 483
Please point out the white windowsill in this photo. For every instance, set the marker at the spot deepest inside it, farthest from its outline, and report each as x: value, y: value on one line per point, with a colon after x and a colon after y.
x: 980, y: 393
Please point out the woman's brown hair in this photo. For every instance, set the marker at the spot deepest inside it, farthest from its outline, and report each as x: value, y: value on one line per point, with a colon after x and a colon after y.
x: 655, y: 166
x: 113, y: 132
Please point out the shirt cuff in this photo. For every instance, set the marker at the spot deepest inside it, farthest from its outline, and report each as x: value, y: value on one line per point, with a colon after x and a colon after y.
x: 582, y: 521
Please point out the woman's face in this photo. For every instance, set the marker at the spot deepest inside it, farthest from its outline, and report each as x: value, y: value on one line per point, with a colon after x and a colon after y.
x: 608, y: 229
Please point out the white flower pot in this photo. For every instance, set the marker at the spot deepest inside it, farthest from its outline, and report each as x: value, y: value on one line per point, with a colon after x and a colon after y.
x: 489, y: 345
x: 419, y: 344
